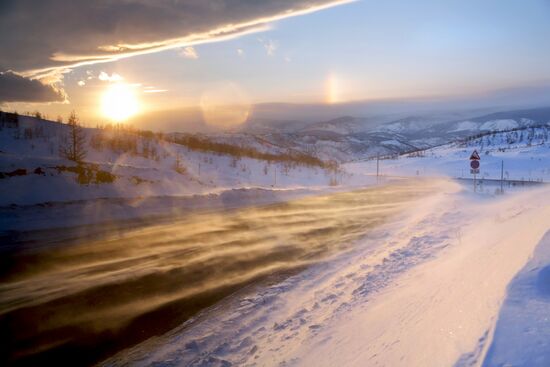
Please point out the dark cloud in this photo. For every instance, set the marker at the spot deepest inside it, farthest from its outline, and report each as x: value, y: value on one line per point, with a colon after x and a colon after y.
x: 57, y: 33
x: 15, y: 88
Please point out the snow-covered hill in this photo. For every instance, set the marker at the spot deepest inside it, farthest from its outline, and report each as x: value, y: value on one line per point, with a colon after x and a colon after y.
x: 524, y: 154
x: 354, y: 138
x: 122, y: 163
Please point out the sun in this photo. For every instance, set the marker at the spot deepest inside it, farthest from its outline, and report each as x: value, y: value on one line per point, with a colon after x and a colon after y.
x: 119, y: 102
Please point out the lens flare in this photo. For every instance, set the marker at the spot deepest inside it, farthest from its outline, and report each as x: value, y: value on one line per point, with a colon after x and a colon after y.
x: 225, y: 105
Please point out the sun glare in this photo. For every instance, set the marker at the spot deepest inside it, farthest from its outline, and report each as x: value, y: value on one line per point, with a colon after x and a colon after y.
x: 332, y: 89
x: 119, y: 102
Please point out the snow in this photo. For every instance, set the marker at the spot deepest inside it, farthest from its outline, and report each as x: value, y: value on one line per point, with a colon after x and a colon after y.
x: 136, y: 175
x: 441, y: 310
x: 525, y: 160
x: 391, y: 142
x: 423, y: 290
x: 499, y: 125
x: 522, y: 334
x: 465, y: 125
x: 455, y: 278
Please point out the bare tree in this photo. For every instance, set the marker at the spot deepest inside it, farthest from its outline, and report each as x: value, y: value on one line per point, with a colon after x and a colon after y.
x: 73, y: 147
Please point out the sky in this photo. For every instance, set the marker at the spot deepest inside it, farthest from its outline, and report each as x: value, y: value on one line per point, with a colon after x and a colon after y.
x: 240, y: 53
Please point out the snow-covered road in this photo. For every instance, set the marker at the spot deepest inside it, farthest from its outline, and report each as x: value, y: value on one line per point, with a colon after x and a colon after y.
x: 423, y: 290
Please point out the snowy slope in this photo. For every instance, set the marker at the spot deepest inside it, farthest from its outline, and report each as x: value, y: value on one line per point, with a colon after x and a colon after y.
x: 142, y: 166
x: 525, y: 154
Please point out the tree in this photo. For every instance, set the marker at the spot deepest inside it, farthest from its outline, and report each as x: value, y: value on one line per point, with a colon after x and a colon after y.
x: 73, y: 147
x: 177, y: 165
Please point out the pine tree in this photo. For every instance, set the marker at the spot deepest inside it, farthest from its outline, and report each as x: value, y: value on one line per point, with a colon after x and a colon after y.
x: 74, y: 149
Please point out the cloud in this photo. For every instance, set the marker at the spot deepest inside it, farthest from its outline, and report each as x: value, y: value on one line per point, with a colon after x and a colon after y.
x: 155, y: 90
x: 189, y: 52
x: 151, y: 89
x: 81, y: 83
x: 240, y: 52
x: 16, y: 88
x: 114, y: 77
x: 55, y: 34
x: 270, y: 46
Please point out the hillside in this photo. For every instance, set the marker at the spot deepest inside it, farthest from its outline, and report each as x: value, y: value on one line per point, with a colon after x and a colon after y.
x: 125, y: 163
x: 350, y: 138
x: 122, y: 162
x: 524, y: 152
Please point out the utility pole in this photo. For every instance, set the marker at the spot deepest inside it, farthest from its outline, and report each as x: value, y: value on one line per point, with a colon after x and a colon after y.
x: 502, y: 177
x: 377, y: 166
x: 275, y: 174
x: 199, y: 168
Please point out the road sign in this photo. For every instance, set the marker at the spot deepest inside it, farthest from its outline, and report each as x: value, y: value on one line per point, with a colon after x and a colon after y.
x: 474, y: 164
x: 475, y: 156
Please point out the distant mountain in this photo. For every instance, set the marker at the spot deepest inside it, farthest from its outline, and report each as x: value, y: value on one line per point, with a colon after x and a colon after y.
x: 500, y: 121
x: 539, y: 115
x: 343, y: 125
x: 349, y: 138
x: 266, y: 126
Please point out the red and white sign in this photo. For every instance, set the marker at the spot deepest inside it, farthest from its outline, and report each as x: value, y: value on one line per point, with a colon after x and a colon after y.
x: 474, y: 163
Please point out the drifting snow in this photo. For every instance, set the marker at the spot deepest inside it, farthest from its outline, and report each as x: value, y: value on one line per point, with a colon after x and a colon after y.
x: 423, y: 290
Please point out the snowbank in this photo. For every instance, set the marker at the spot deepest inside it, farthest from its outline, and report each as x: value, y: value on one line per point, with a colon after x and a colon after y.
x: 522, y: 334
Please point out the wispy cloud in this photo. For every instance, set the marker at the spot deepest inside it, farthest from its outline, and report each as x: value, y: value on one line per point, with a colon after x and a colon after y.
x: 150, y: 89
x: 155, y: 90
x: 270, y: 46
x: 189, y: 52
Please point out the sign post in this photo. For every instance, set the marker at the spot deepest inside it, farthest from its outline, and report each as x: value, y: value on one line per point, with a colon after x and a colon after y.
x: 474, y: 166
